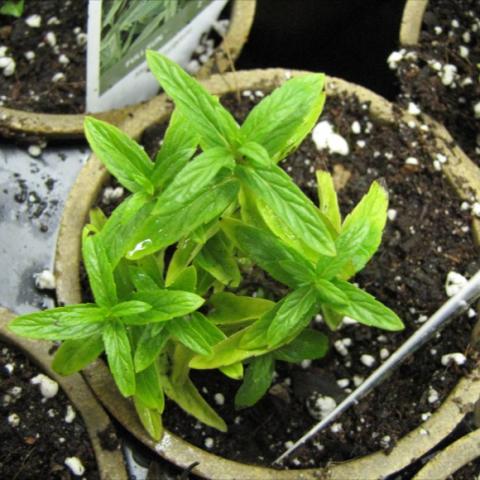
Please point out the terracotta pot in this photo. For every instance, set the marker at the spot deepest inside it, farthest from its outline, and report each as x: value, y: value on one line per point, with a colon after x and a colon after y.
x: 464, y: 176
x: 110, y: 462
x: 19, y: 123
x: 453, y: 458
x: 411, y: 23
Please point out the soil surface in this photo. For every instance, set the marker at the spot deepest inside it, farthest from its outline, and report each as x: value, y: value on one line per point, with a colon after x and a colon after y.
x: 427, y: 236
x: 468, y: 472
x: 50, y: 59
x: 440, y: 75
x: 39, y: 434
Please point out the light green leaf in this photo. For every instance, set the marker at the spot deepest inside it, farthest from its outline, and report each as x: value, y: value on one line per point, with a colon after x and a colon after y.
x: 151, y: 419
x: 332, y: 318
x: 327, y: 197
x: 122, y: 156
x: 97, y: 219
x: 234, y: 371
x: 140, y: 279
x: 274, y: 187
x: 152, y: 341
x: 63, y: 323
x: 256, y: 154
x: 197, y: 333
x: 309, y: 345
x: 214, y: 125
x: 149, y: 390
x: 119, y: 356
x: 329, y: 294
x: 73, y: 355
x: 131, y: 307
x: 282, y: 120
x: 364, y: 308
x: 186, y: 281
x: 178, y: 147
x: 229, y: 308
x: 258, y: 378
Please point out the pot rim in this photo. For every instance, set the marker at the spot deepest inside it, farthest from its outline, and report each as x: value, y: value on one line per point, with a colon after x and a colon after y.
x: 22, y: 123
x: 411, y: 22
x: 110, y: 463
x: 460, y: 170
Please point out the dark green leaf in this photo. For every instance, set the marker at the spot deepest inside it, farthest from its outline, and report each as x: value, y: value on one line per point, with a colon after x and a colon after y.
x: 178, y: 147
x: 73, y: 355
x: 122, y: 156
x: 131, y: 307
x: 100, y: 271
x: 274, y: 187
x: 74, y: 321
x: 282, y: 120
x: 154, y: 338
x: 257, y: 380
x: 197, y: 333
x: 119, y: 356
x: 364, y: 308
x: 214, y: 125
x: 229, y: 308
x: 309, y: 345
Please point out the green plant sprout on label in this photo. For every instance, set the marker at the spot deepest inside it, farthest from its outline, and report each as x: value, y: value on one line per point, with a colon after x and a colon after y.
x: 216, y: 198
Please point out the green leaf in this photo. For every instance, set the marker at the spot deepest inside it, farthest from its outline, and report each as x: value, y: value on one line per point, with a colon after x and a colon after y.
x: 257, y: 154
x: 204, y: 281
x: 123, y: 224
x: 192, y: 179
x: 230, y: 309
x: 364, y: 308
x: 140, y: 279
x: 74, y: 355
x: 294, y: 313
x: 152, y: 341
x: 119, y: 356
x: 131, y: 307
x: 197, y: 333
x: 160, y: 231
x: 330, y: 294
x: 97, y: 219
x: 289, y: 203
x: 123, y: 157
x: 216, y: 258
x: 214, y: 125
x: 100, y: 272
x: 332, y: 318
x: 282, y: 120
x: 151, y: 419
x: 187, y: 280
x: 178, y: 147
x: 258, y: 378
x: 149, y: 390
x: 63, y: 323
x: 14, y: 9
x: 270, y: 253
x: 327, y: 197
x: 309, y: 345
x: 166, y: 304
x: 359, y: 237
x: 234, y: 371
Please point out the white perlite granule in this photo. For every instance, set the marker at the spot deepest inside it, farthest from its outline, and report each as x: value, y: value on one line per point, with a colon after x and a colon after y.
x: 75, y: 466
x: 48, y: 387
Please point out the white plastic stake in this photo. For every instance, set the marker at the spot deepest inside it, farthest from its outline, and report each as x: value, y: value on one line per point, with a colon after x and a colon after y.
x: 449, y: 310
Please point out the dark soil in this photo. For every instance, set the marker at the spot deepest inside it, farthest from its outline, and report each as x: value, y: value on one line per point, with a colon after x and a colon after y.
x: 39, y: 444
x: 449, y: 27
x: 468, y: 472
x: 428, y: 238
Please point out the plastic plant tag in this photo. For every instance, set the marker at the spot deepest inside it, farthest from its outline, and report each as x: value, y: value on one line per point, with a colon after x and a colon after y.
x: 119, y: 33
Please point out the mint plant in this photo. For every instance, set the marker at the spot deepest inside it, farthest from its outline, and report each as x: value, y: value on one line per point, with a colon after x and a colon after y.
x: 215, y: 197
x: 12, y: 8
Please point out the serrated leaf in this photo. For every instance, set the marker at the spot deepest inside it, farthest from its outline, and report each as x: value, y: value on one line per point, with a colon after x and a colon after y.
x: 122, y: 156
x: 214, y: 125
x: 309, y: 345
x: 267, y: 251
x: 74, y: 355
x: 152, y: 341
x: 119, y: 356
x: 100, y: 271
x: 364, y: 308
x: 257, y: 380
x: 274, y: 187
x: 327, y: 197
x: 178, y: 147
x: 197, y: 333
x: 63, y: 323
x: 229, y: 308
x: 282, y: 119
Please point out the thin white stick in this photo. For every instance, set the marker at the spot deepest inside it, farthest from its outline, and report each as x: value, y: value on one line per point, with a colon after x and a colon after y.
x: 449, y: 310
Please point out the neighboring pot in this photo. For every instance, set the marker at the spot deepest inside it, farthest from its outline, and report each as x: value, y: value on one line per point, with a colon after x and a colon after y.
x: 411, y: 22
x: 462, y: 173
x: 109, y: 462
x: 19, y: 123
